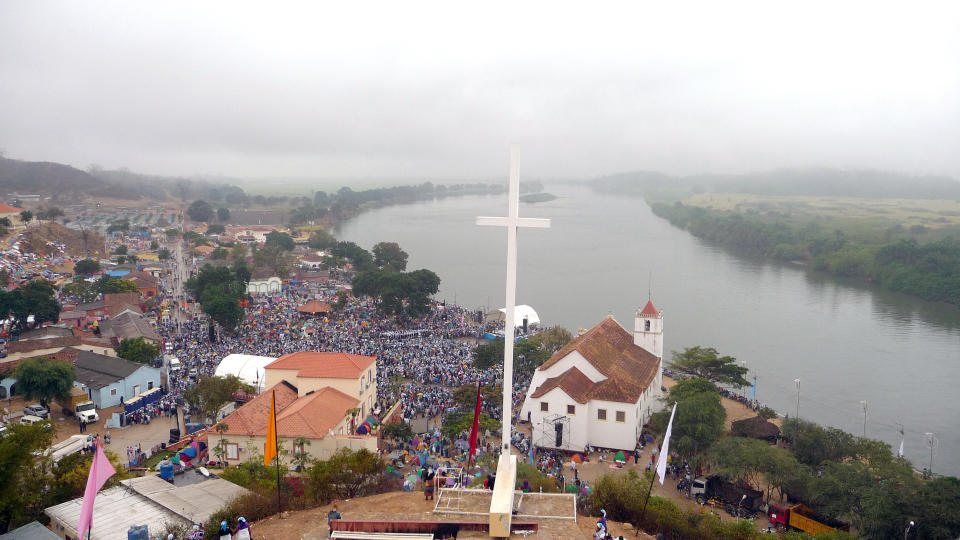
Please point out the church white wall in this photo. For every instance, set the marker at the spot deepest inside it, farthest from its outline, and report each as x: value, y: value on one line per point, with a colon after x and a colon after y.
x: 557, y: 401
x: 612, y: 434
x: 574, y: 359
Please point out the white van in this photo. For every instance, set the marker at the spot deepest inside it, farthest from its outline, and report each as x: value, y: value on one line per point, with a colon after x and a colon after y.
x: 174, y: 365
x: 30, y: 419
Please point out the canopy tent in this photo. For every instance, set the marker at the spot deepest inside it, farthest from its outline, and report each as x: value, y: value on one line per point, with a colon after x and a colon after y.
x: 520, y: 312
x: 247, y: 367
x: 315, y: 307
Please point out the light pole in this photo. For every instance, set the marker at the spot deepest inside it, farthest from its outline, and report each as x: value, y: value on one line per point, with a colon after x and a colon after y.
x: 797, y: 381
x: 907, y: 530
x: 738, y: 505
x: 931, y: 444
x: 864, y: 404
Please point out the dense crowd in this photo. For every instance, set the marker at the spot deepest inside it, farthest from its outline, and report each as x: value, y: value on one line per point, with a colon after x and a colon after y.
x: 419, y: 361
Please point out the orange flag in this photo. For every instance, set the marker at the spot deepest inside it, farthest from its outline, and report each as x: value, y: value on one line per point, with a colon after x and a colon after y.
x: 270, y: 446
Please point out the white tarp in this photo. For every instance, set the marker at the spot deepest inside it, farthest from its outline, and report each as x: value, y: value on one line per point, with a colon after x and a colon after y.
x: 521, y: 312
x: 247, y: 367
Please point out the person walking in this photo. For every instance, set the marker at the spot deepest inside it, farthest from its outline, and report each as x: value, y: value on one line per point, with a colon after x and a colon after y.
x: 225, y: 532
x: 242, y: 529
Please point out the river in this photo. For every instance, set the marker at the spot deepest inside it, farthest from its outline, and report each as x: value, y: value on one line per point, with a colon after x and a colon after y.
x: 846, y: 342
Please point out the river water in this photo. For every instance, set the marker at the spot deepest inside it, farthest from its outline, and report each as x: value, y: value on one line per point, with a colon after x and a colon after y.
x: 846, y: 342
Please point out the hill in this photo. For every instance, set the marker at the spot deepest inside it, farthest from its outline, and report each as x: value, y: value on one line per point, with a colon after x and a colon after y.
x: 45, y: 178
x: 41, y: 239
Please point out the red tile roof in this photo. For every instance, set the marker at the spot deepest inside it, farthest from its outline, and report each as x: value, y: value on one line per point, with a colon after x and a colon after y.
x: 608, y: 347
x: 7, y: 209
x: 311, y: 416
x: 324, y: 365
x: 572, y: 381
x: 649, y: 309
x: 315, y: 306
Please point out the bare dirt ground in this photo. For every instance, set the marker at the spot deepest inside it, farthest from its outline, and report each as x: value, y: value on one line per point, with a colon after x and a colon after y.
x: 408, y: 506
x: 37, y: 237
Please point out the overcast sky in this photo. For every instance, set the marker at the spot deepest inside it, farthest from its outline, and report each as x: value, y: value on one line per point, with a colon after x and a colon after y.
x: 428, y: 90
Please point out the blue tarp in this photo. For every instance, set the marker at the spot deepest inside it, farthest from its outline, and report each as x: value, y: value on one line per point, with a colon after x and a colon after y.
x: 118, y: 273
x: 147, y: 398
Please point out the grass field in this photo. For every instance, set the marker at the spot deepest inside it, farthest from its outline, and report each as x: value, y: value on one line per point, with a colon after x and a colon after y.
x: 930, y: 213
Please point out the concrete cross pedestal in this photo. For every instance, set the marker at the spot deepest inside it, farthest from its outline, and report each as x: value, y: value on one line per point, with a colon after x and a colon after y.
x: 501, y: 504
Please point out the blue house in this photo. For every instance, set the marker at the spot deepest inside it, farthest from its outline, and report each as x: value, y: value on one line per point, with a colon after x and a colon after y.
x: 107, y: 379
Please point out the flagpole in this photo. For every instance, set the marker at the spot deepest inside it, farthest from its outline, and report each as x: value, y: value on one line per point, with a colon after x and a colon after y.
x: 276, y: 441
x: 661, y: 465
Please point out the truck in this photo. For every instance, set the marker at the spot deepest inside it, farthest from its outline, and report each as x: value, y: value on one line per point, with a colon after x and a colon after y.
x: 736, y: 499
x: 804, y: 519
x: 74, y: 444
x: 86, y: 411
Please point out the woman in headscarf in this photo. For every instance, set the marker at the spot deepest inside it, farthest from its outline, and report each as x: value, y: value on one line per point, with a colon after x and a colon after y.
x: 242, y: 529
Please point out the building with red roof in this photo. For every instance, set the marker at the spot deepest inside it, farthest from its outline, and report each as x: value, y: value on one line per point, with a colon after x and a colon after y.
x: 310, y: 371
x: 599, y: 389
x: 323, y: 417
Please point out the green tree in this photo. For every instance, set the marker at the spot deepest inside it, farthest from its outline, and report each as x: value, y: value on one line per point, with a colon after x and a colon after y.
x: 4, y: 277
x: 200, y: 210
x: 398, y: 431
x: 86, y: 267
x: 5, y: 222
x: 216, y: 228
x: 552, y: 339
x: 36, y: 298
x: 163, y: 254
x: 210, y: 394
x: 138, y: 350
x: 465, y: 397
x: 154, y: 245
x: 121, y: 250
x: 21, y: 474
x: 321, y: 239
x: 26, y: 216
x: 223, y: 214
x: 49, y: 213
x: 705, y: 362
x: 300, y: 455
x: 699, y: 420
x: 80, y: 289
x: 220, y: 450
x: 238, y: 252
x: 172, y: 233
x: 388, y: 256
x: 455, y: 423
x: 347, y: 474
x: 44, y: 379
x: 360, y: 258
x: 110, y: 284
x: 219, y: 254
x: 282, y: 241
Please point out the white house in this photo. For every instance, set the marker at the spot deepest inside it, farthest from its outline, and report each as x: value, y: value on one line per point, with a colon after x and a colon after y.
x: 600, y: 388
x: 264, y: 285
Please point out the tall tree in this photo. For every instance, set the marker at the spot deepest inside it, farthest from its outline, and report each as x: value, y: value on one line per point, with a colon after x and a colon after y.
x: 389, y: 257
x: 26, y: 216
x: 707, y: 363
x: 86, y: 267
x: 137, y: 350
x: 200, y: 210
x: 223, y: 214
x: 44, y: 379
x: 321, y: 239
x: 210, y: 394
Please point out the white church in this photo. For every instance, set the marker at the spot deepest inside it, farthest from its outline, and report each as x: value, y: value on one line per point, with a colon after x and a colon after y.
x: 600, y: 388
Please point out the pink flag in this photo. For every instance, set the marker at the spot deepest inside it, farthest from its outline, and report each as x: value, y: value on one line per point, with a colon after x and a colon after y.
x: 100, y: 470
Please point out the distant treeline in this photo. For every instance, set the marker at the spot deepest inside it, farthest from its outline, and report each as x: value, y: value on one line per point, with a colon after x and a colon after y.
x: 820, y: 182
x: 928, y: 270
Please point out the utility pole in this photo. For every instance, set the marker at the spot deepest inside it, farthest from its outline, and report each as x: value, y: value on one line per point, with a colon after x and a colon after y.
x: 864, y: 404
x: 797, y: 381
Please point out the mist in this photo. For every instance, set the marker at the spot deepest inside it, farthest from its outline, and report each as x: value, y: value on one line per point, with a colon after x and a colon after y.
x: 435, y: 90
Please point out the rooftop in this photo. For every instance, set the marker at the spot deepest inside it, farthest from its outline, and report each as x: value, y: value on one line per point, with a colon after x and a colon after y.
x: 324, y: 365
x: 311, y: 416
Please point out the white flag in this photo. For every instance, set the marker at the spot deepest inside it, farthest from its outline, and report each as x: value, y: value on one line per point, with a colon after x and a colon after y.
x: 900, y: 452
x: 665, y: 449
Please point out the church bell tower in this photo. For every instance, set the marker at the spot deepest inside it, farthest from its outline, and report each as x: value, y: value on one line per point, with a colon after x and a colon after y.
x: 648, y: 330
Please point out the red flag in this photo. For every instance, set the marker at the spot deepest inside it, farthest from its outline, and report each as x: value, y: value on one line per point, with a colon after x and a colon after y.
x: 476, y: 425
x: 100, y: 471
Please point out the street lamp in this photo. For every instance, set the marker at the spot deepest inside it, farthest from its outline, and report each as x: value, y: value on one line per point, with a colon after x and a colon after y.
x: 738, y: 505
x: 797, y: 381
x: 907, y: 531
x: 864, y: 404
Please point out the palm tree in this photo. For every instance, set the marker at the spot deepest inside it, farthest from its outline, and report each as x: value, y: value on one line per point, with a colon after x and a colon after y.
x: 221, y: 449
x: 300, y: 453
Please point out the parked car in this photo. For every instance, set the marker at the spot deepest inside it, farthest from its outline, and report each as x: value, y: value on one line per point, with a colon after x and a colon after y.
x: 36, y: 410
x: 30, y: 419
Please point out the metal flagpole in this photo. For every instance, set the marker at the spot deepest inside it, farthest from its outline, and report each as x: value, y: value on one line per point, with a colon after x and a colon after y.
x: 276, y: 442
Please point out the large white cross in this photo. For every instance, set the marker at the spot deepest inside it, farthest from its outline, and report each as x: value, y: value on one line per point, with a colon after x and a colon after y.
x: 511, y: 222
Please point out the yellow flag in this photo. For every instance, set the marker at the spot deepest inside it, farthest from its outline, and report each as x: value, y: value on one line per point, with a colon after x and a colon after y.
x: 270, y: 446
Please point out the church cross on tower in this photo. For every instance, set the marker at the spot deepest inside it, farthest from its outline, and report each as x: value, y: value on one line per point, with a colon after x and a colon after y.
x: 511, y: 222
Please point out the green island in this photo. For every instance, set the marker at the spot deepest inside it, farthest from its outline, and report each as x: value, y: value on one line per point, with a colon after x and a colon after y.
x: 537, y: 197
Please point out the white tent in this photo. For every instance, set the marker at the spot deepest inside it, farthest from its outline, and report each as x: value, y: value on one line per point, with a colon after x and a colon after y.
x: 521, y: 312
x: 247, y: 367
